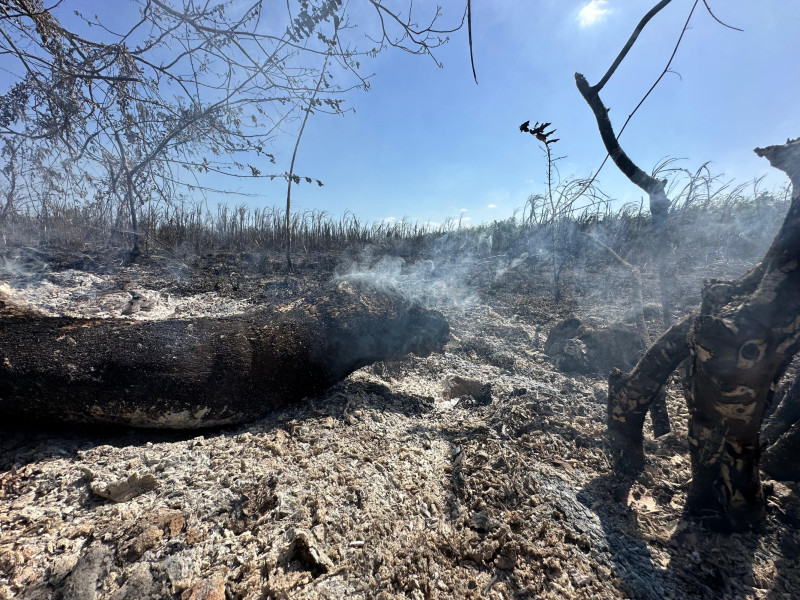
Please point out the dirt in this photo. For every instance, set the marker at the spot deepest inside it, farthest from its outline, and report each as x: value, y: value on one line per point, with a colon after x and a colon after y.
x: 389, y: 485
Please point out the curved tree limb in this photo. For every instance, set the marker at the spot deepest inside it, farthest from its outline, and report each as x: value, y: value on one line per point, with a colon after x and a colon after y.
x: 631, y: 40
x: 659, y: 204
x: 630, y: 395
x: 469, y: 31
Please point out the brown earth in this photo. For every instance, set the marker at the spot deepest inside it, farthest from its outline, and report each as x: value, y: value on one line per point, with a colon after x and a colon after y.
x: 389, y: 485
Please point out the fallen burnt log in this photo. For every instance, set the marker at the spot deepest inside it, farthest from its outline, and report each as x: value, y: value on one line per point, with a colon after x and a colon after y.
x: 202, y: 372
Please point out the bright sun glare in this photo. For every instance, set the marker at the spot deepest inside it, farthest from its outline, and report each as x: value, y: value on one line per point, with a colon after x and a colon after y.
x: 594, y: 12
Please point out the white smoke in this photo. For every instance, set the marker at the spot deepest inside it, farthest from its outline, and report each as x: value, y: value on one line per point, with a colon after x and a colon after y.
x: 436, y: 282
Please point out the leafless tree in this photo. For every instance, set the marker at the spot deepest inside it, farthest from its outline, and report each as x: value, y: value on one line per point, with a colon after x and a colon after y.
x: 737, y: 347
x: 189, y: 89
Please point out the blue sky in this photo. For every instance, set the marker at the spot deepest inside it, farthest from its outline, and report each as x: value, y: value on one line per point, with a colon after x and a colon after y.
x: 428, y: 144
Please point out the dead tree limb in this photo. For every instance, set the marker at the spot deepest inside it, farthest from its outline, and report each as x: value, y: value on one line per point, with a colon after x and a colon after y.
x: 659, y: 204
x: 307, y: 111
x: 631, y: 394
x: 629, y: 44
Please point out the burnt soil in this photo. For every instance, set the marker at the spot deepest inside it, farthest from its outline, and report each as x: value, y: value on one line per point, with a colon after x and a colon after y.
x: 386, y: 486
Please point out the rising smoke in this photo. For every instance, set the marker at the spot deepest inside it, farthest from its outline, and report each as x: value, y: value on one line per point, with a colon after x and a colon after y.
x: 440, y: 276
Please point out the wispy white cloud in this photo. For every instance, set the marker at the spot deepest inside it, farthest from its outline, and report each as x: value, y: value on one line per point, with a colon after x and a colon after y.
x: 389, y: 219
x: 492, y: 206
x: 463, y: 210
x: 593, y: 12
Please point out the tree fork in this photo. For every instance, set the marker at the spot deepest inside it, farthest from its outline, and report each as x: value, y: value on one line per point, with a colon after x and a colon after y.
x: 659, y: 203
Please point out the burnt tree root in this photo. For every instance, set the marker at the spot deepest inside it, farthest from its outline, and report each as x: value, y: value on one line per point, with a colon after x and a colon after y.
x: 202, y: 372
x: 781, y: 459
x: 780, y: 435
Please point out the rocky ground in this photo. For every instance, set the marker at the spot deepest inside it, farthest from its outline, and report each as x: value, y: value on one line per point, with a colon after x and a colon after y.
x: 476, y: 473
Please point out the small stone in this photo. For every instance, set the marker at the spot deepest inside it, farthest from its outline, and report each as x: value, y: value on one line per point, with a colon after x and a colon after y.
x: 479, y: 520
x: 170, y: 521
x: 145, y: 541
x: 125, y: 489
x: 303, y: 549
x: 179, y: 568
x: 507, y: 560
x: 138, y: 585
x: 206, y: 589
x: 455, y: 386
x: 88, y: 573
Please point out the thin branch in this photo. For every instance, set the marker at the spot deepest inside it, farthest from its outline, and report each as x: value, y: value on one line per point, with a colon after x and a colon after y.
x: 634, y: 36
x: 713, y: 16
x: 297, y: 145
x: 469, y: 30
x: 652, y: 87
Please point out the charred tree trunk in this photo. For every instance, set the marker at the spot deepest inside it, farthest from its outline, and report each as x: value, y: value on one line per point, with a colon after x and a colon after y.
x: 738, y: 346
x: 130, y: 200
x: 631, y: 395
x: 201, y: 372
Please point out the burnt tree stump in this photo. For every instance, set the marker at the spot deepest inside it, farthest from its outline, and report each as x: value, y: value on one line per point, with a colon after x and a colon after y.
x: 738, y: 347
x: 202, y: 372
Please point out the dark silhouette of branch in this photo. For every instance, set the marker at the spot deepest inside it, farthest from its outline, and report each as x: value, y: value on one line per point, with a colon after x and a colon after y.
x: 469, y: 30
x: 713, y: 16
x: 631, y: 40
x: 311, y: 101
x: 652, y: 87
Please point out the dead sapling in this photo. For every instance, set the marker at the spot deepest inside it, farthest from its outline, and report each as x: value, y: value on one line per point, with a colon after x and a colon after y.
x: 538, y: 131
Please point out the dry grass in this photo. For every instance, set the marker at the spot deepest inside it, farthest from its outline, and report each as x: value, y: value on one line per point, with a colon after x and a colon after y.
x: 708, y: 217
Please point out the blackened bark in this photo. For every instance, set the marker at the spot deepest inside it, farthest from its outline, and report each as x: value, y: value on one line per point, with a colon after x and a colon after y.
x: 630, y: 395
x: 785, y: 413
x: 781, y: 459
x: 202, y: 372
x: 740, y: 344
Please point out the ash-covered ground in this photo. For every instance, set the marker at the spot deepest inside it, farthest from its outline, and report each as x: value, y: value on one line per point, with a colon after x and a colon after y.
x: 476, y: 473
